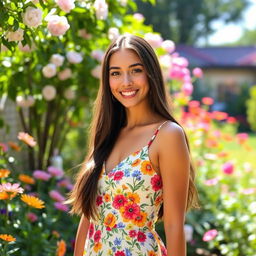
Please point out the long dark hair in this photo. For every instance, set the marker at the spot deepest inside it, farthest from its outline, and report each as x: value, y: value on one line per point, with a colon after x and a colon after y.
x: 109, y: 117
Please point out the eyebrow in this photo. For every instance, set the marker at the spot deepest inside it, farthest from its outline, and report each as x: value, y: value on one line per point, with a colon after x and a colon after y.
x: 132, y: 65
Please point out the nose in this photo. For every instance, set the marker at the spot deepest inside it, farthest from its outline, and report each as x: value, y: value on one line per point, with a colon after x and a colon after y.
x: 127, y: 79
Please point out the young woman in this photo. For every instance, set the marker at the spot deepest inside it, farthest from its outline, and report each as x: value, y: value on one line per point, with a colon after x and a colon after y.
x: 138, y: 168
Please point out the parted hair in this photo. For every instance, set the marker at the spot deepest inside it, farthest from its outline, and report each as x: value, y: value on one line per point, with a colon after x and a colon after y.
x: 109, y: 117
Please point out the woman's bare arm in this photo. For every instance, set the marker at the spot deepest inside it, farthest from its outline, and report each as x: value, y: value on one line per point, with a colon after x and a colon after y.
x: 174, y: 166
x: 81, y: 236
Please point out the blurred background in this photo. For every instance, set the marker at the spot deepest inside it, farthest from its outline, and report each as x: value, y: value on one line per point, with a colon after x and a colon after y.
x: 51, y: 53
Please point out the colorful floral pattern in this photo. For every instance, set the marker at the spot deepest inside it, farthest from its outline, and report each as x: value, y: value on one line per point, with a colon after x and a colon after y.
x: 128, y: 201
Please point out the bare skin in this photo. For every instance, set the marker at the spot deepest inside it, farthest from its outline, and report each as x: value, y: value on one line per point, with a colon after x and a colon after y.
x: 168, y: 153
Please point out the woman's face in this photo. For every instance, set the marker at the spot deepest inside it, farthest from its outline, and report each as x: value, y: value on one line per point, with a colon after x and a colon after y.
x: 127, y: 78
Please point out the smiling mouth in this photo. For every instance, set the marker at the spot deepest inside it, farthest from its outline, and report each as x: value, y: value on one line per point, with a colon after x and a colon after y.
x: 129, y: 94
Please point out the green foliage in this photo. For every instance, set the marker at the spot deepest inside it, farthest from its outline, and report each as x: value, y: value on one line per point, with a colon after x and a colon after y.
x: 251, y: 108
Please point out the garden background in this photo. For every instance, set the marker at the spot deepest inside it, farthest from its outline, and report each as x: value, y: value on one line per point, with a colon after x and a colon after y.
x: 50, y: 56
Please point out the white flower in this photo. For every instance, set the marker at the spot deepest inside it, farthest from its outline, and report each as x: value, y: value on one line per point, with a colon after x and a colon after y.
x: 168, y: 46
x: 123, y: 2
x: 26, y: 48
x: 49, y: 92
x: 25, y: 102
x: 57, y: 25
x: 154, y: 40
x: 57, y: 60
x: 69, y: 94
x: 188, y: 230
x: 96, y: 72
x: 32, y: 17
x: 74, y: 57
x: 98, y: 55
x: 65, y: 74
x: 49, y: 70
x: 83, y: 33
x: 15, y: 35
x: 101, y: 8
x: 66, y: 5
x: 113, y: 34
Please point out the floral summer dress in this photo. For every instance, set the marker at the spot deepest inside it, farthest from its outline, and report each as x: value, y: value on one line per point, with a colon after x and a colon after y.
x: 129, y: 198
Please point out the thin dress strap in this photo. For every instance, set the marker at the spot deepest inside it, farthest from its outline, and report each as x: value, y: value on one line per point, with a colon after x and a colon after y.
x: 155, y: 133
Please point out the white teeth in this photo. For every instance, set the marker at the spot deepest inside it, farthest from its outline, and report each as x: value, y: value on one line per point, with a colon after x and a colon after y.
x: 128, y: 93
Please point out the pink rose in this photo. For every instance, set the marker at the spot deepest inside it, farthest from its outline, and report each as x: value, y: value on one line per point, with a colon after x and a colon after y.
x: 98, y: 55
x: 101, y: 9
x: 58, y: 25
x: 49, y: 70
x: 74, y: 57
x: 57, y: 59
x: 65, y: 74
x: 168, y: 46
x: 197, y: 72
x: 32, y: 17
x: 66, y: 5
x: 228, y: 168
x: 210, y: 235
x: 15, y: 35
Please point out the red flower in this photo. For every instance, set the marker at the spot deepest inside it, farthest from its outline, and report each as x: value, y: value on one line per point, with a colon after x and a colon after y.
x: 207, y: 100
x: 97, y: 236
x: 118, y: 175
x: 99, y: 200
x: 120, y: 253
x: 91, y: 230
x: 130, y: 211
x: 119, y: 201
x: 132, y: 233
x: 156, y: 182
x: 141, y: 237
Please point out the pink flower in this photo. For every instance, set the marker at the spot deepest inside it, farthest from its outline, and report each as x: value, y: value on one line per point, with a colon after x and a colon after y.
x: 155, y: 40
x: 56, y: 195
x: 101, y: 9
x: 180, y: 61
x: 55, y: 171
x: 138, y: 16
x: 210, y: 235
x: 57, y: 25
x: 74, y: 57
x: 118, y: 175
x: 242, y: 137
x: 66, y: 5
x: 4, y: 147
x: 168, y: 46
x: 231, y: 120
x: 194, y: 104
x: 41, y: 175
x: 91, y: 230
x: 32, y: 217
x: 15, y: 35
x: 211, y: 182
x: 141, y: 237
x: 156, y: 182
x: 98, y: 55
x: 228, y: 168
x: 119, y: 201
x: 132, y: 233
x: 61, y: 207
x: 207, y: 101
x: 11, y: 188
x: 197, y: 72
x: 65, y: 74
x: 99, y: 200
x: 248, y: 191
x: 97, y: 236
x: 187, y: 89
x: 49, y: 70
x: 96, y: 72
x: 64, y: 183
x: 25, y: 137
x: 32, y: 17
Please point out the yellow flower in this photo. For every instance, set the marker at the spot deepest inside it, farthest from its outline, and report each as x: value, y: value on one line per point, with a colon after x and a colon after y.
x: 7, y: 238
x: 129, y: 226
x: 110, y: 252
x: 32, y: 201
x: 110, y: 220
x: 151, y: 253
x: 146, y: 168
x: 26, y: 179
x: 4, y: 173
x: 133, y: 197
x: 97, y: 247
x: 119, y: 191
x: 61, y: 248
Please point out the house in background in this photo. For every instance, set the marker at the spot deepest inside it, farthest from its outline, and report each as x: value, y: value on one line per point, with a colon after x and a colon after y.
x: 228, y: 73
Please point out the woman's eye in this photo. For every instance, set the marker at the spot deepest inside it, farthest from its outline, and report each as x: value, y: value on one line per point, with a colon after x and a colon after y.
x: 137, y: 70
x: 114, y: 73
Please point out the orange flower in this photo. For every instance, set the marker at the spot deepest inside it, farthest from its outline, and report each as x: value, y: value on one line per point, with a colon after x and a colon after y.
x: 25, y: 137
x: 110, y: 220
x: 146, y: 168
x: 32, y: 201
x: 136, y: 162
x: 133, y: 197
x: 151, y: 253
x: 14, y: 146
x: 4, y: 196
x: 26, y: 179
x: 135, y: 153
x: 124, y: 187
x: 97, y: 247
x: 107, y: 197
x: 140, y: 219
x: 7, y: 238
x: 4, y: 173
x: 61, y: 248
